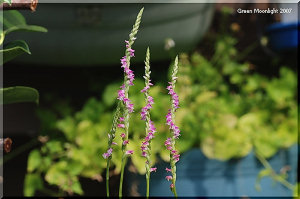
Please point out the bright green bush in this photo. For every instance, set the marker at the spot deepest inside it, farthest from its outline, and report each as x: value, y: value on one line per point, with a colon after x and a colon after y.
x: 226, y: 109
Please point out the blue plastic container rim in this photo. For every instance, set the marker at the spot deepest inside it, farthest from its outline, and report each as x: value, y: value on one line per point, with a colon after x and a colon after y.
x: 282, y: 26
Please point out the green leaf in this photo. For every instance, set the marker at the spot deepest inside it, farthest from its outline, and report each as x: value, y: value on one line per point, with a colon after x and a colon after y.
x: 5, y: 1
x: 14, y: 49
x: 68, y: 127
x: 14, y: 21
x: 75, y: 167
x: 34, y: 160
x: 31, y: 28
x: 261, y: 174
x: 19, y: 94
x: 8, y: 1
x: 54, y: 146
x: 55, y: 175
x: 33, y: 182
x: 76, y: 188
x: 12, y: 18
x: 110, y: 94
x: 296, y: 191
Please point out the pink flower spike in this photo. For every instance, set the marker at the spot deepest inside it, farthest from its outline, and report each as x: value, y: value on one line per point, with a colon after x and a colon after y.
x: 129, y: 152
x: 168, y: 170
x: 153, y: 169
x: 169, y: 178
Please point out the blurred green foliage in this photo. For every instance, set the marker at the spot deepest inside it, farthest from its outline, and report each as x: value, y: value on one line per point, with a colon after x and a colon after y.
x: 226, y: 109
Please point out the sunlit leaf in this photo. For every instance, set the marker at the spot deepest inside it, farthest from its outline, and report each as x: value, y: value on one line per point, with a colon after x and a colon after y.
x: 34, y: 160
x: 261, y: 174
x: 33, y: 182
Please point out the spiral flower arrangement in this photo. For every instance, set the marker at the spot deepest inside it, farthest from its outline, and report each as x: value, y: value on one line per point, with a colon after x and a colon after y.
x: 175, y: 132
x: 125, y: 107
x: 150, y: 128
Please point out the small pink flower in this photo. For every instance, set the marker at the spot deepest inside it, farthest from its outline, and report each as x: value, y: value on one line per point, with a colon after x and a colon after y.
x: 131, y: 51
x: 167, y: 142
x: 121, y: 119
x: 144, y: 154
x: 105, y: 155
x: 123, y: 62
x: 129, y: 152
x: 110, y: 150
x: 122, y: 135
x: 176, y: 156
x: 168, y: 170
x: 108, y: 153
x: 169, y: 148
x: 153, y: 169
x: 145, y: 89
x: 121, y: 125
x: 172, y: 186
x: 143, y: 148
x: 146, y: 143
x: 169, y: 178
x: 114, y: 143
x: 121, y: 94
x: 125, y: 142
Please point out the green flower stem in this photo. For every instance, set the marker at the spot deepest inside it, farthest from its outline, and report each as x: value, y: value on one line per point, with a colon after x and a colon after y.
x: 147, y: 80
x: 107, y: 177
x: 173, y: 109
x: 273, y: 174
x: 124, y: 160
x: 110, y: 140
x: 148, y: 184
x: 126, y: 80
